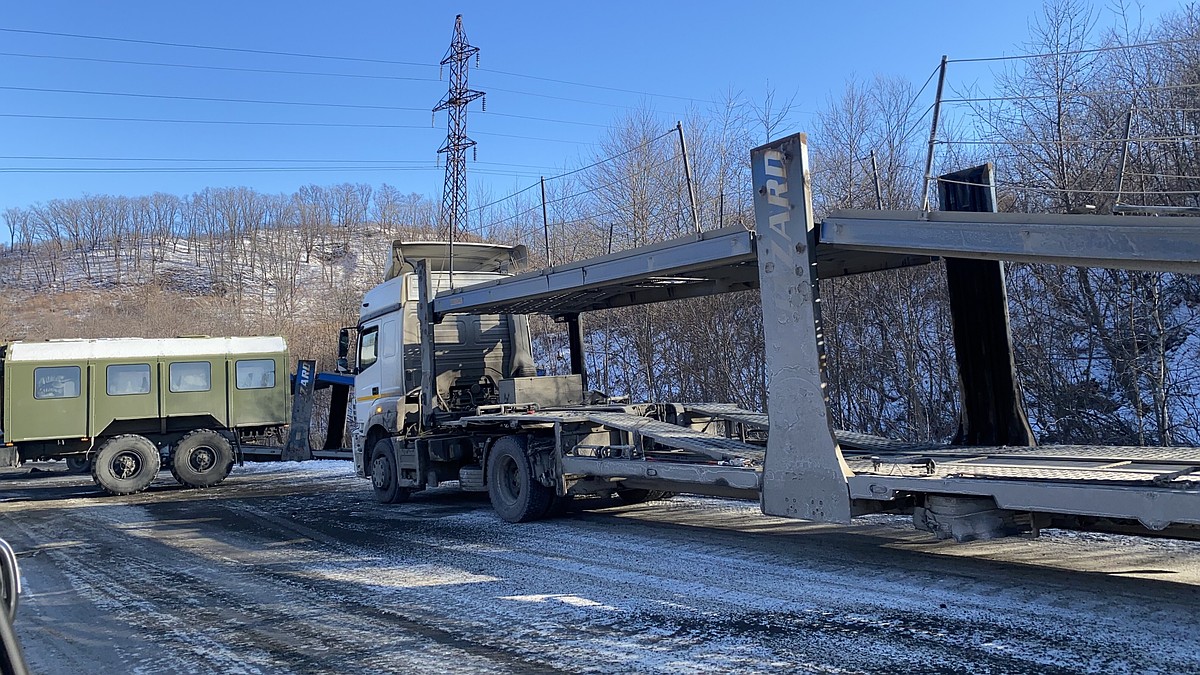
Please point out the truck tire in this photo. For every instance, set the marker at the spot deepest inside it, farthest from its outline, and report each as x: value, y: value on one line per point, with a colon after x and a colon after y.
x: 516, y: 494
x: 201, y: 459
x: 79, y: 464
x: 383, y: 474
x: 126, y: 464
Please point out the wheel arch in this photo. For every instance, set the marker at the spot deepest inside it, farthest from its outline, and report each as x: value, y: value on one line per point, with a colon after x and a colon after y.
x: 375, y: 433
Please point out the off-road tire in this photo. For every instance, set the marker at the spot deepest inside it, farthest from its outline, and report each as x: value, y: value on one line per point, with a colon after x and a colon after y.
x: 79, y: 464
x: 384, y: 474
x: 516, y: 494
x: 202, y: 458
x: 126, y: 464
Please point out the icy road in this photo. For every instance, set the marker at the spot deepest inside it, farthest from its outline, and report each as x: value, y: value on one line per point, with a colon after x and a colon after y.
x: 295, y: 569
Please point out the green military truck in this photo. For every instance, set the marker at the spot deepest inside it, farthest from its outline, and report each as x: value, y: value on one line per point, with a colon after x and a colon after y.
x: 122, y: 407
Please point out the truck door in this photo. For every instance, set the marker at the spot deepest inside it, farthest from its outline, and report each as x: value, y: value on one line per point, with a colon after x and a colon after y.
x: 391, y: 375
x: 368, y: 381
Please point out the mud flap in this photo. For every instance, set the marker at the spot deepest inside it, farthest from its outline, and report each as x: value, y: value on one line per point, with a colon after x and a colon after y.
x: 412, y: 459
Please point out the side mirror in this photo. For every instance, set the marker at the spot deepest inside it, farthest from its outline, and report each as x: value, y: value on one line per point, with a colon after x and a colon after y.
x: 343, y: 344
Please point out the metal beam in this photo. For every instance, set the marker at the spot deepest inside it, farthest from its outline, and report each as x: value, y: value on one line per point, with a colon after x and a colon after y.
x: 575, y: 341
x: 715, y: 261
x: 428, y: 349
x: 804, y: 475
x: 992, y: 410
x: 1153, y: 508
x: 1151, y: 244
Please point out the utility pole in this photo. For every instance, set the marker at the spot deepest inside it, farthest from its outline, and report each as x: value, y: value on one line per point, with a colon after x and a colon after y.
x: 454, y: 192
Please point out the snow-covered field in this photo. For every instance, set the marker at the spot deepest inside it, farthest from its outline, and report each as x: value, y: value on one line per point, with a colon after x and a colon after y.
x: 294, y: 568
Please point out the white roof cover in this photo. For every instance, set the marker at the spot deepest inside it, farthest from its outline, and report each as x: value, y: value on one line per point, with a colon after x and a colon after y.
x: 468, y: 256
x: 119, y: 348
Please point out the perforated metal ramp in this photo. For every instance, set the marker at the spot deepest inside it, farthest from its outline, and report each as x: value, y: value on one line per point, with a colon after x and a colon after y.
x: 732, y: 413
x: 760, y: 422
x: 1160, y: 466
x: 682, y: 438
x: 1176, y: 467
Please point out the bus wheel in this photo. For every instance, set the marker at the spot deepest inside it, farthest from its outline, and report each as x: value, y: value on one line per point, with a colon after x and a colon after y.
x: 201, y: 459
x: 126, y: 464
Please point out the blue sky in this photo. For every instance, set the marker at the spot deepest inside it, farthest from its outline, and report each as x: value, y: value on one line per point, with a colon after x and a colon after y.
x: 668, y: 55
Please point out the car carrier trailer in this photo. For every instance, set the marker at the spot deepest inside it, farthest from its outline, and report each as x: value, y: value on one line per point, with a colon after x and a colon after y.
x: 458, y: 402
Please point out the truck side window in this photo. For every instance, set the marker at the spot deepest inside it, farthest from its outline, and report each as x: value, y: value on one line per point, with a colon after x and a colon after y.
x: 123, y: 380
x: 368, y: 348
x: 191, y: 376
x: 256, y: 374
x: 56, y: 382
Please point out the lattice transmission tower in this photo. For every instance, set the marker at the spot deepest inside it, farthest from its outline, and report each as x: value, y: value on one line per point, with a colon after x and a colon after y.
x: 454, y: 192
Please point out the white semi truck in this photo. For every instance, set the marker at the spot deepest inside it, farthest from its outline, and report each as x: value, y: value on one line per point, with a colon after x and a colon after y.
x: 446, y: 390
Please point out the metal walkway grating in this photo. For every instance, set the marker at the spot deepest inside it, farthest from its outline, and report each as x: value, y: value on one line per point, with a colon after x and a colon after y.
x: 682, y: 438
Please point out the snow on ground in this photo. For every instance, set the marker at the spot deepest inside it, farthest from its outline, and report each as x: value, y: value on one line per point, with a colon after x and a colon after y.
x: 294, y: 568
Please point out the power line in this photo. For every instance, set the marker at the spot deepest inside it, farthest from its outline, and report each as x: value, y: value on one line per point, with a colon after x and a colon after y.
x: 574, y: 100
x: 594, y: 86
x: 333, y: 57
x: 1055, y: 190
x: 914, y: 100
x: 48, y: 158
x: 238, y: 169
x: 269, y: 71
x: 209, y: 169
x: 218, y: 122
x: 1076, y: 141
x: 336, y: 125
x: 487, y: 113
x: 125, y: 94
x: 1070, y: 94
x: 136, y: 95
x: 606, y: 185
x: 575, y: 171
x: 238, y: 50
x: 1094, y: 50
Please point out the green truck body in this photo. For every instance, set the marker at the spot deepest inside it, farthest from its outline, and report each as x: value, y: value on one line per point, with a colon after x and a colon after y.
x: 192, y: 399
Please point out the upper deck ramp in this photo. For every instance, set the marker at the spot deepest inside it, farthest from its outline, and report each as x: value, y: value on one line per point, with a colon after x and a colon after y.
x: 848, y: 242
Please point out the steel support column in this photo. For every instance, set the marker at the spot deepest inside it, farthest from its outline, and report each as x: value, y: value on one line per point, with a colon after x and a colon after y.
x: 992, y: 410
x: 428, y: 361
x: 575, y: 342
x: 804, y: 475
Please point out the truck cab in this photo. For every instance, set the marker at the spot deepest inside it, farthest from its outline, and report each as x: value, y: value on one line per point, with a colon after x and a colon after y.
x: 474, y: 353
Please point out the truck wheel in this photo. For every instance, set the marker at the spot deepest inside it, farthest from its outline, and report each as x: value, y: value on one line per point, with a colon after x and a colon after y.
x: 201, y: 459
x: 126, y: 464
x: 516, y: 494
x: 383, y: 474
x: 79, y: 464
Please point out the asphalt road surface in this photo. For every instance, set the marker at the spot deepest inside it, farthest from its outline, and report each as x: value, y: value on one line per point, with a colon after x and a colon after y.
x: 293, y: 568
